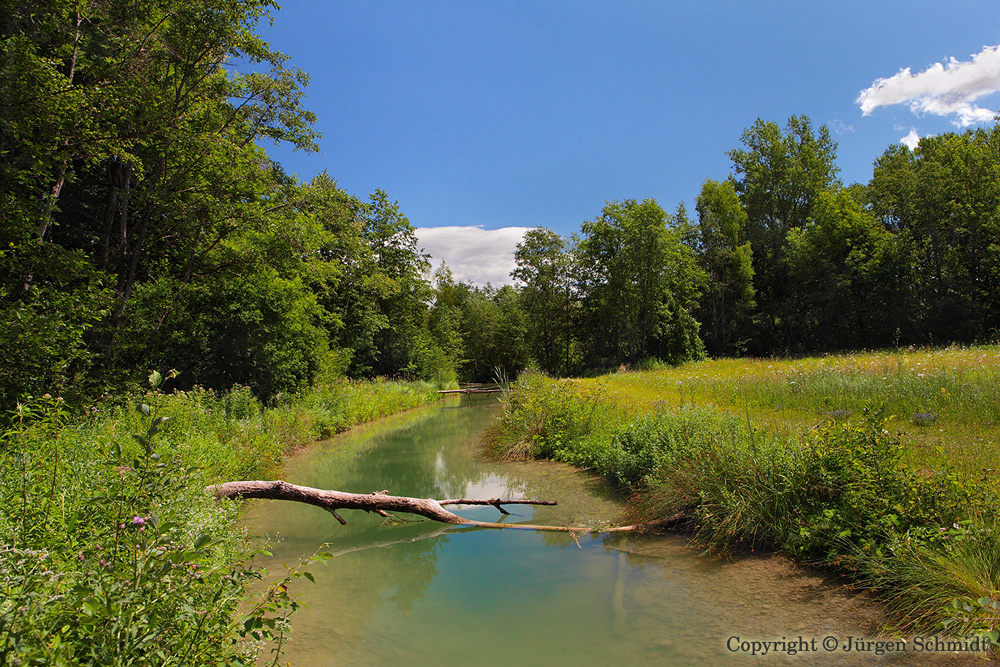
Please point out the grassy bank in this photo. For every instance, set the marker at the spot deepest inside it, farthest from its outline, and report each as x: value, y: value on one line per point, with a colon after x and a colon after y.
x: 112, y: 553
x: 936, y: 398
x: 800, y: 457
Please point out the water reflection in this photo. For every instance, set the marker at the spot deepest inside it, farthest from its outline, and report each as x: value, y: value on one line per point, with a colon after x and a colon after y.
x: 420, y: 593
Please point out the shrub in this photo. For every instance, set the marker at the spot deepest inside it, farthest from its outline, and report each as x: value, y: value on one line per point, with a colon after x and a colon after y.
x: 114, y: 553
x: 549, y: 418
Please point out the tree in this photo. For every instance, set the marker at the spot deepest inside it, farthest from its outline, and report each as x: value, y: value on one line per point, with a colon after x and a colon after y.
x: 493, y: 332
x: 844, y: 269
x: 125, y: 139
x: 402, y: 293
x: 943, y: 202
x: 543, y: 269
x: 637, y: 282
x: 441, y: 347
x: 727, y: 259
x: 778, y: 177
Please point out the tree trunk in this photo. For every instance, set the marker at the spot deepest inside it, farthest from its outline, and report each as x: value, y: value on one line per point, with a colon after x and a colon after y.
x: 381, y: 503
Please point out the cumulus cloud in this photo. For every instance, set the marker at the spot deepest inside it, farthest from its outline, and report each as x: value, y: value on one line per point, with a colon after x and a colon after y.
x: 911, y: 140
x: 943, y: 89
x: 473, y: 254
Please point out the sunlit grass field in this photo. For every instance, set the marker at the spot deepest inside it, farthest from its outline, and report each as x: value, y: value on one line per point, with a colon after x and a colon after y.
x: 945, y: 403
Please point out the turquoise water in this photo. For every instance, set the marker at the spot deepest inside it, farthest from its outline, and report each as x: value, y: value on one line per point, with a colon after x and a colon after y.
x: 421, y: 593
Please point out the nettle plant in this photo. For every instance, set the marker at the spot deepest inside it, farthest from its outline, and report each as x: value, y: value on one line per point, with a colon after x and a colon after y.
x: 133, y: 565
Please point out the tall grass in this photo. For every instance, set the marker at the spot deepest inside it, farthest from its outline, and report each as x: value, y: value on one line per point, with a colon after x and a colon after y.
x: 843, y: 494
x: 938, y: 398
x: 112, y: 551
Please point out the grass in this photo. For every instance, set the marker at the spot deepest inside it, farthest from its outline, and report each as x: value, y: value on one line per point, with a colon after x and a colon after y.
x: 937, y: 399
x: 859, y: 463
x: 111, y: 550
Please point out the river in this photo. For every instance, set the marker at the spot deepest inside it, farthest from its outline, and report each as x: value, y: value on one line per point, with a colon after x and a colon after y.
x: 421, y: 593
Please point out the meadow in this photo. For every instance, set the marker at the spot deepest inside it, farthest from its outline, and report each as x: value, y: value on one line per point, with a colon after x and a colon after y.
x: 877, y: 466
x: 939, y: 400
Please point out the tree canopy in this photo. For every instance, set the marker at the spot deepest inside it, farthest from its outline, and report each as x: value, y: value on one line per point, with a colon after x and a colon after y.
x: 145, y: 226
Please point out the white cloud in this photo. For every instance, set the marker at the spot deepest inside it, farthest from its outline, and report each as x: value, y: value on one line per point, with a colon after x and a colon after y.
x: 911, y: 140
x: 943, y: 89
x: 840, y: 127
x: 473, y: 254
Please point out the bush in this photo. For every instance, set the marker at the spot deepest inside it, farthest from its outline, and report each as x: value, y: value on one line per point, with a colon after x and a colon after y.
x: 549, y: 418
x: 114, y: 553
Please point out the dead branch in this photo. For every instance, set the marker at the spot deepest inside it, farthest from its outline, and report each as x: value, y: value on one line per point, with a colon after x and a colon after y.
x: 381, y: 503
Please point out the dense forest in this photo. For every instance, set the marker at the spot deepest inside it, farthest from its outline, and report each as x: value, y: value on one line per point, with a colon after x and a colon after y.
x: 145, y: 227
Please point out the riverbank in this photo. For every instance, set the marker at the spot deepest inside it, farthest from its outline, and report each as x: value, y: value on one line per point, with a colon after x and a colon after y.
x: 847, y: 492
x: 112, y: 553
x: 586, y: 601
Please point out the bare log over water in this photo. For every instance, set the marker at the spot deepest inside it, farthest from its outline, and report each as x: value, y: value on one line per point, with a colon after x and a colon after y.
x: 382, y: 504
x: 473, y: 390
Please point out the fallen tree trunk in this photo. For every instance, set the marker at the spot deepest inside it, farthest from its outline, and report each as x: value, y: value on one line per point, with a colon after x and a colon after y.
x: 382, y: 504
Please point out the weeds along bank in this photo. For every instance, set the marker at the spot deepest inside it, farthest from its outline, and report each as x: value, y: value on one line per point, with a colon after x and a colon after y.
x: 111, y: 552
x: 844, y: 494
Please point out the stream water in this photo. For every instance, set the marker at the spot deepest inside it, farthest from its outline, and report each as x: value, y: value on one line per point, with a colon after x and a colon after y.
x: 421, y: 593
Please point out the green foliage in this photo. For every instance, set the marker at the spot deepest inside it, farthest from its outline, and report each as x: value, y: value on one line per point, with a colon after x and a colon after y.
x: 544, y: 417
x: 727, y: 261
x: 844, y: 268
x: 638, y: 283
x: 778, y: 177
x: 494, y: 332
x: 544, y: 270
x: 401, y: 294
x: 51, y: 301
x: 840, y: 496
x: 258, y: 330
x: 113, y: 551
x: 948, y: 580
x: 941, y: 203
x: 110, y: 553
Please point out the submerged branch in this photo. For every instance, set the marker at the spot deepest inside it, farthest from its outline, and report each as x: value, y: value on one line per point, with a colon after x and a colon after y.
x: 381, y: 503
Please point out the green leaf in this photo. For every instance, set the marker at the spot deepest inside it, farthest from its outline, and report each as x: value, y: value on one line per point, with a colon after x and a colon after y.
x: 91, y: 606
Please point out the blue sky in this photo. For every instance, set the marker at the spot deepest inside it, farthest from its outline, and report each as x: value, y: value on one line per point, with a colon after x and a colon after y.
x: 515, y: 114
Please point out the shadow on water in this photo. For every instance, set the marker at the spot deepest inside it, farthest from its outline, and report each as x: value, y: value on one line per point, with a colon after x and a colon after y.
x: 421, y: 593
